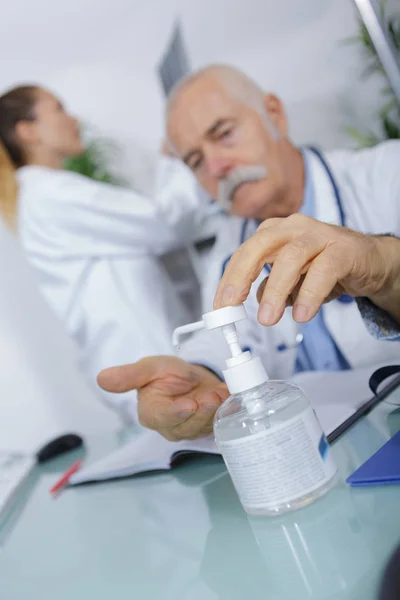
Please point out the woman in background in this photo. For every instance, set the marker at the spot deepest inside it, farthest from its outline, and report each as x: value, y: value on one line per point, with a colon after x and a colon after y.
x: 8, y: 189
x: 94, y: 246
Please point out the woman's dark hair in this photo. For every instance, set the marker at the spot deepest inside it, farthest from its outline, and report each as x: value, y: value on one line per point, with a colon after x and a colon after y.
x: 16, y: 105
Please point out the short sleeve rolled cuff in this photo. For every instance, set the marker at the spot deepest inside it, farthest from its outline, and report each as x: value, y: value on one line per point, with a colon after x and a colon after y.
x: 377, y: 321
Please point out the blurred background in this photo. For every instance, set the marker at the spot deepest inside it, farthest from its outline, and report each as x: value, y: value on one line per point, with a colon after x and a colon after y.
x: 112, y: 63
x: 103, y: 60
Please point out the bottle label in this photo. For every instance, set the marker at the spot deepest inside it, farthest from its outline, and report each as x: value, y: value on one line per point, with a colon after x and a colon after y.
x: 280, y: 464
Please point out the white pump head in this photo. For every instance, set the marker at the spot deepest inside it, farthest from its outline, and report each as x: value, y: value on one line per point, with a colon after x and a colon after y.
x: 243, y: 371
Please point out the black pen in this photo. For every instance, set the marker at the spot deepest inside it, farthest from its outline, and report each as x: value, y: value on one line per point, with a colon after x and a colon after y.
x: 363, y: 410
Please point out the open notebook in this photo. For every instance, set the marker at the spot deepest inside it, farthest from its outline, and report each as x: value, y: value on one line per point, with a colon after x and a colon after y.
x: 335, y: 396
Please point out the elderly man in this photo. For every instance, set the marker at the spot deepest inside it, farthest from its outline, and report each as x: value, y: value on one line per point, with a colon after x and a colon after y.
x: 235, y: 139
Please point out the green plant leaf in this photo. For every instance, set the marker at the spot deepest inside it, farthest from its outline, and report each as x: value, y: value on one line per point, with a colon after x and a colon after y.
x: 363, y: 140
x: 391, y: 129
x: 95, y: 160
x: 389, y: 114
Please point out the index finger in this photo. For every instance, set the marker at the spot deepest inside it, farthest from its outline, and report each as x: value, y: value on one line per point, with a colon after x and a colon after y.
x: 127, y: 377
x: 247, y: 263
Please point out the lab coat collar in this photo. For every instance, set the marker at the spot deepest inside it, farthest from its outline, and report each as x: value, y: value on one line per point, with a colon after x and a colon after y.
x: 308, y: 207
x: 325, y: 204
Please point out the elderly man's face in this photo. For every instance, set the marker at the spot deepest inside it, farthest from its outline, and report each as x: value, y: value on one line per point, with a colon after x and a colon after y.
x: 216, y: 136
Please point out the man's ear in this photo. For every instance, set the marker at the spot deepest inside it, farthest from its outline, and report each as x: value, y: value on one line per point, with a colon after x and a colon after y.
x: 276, y: 113
x: 25, y: 132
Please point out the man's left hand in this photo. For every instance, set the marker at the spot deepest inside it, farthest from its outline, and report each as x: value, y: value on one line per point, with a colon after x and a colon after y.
x: 312, y: 263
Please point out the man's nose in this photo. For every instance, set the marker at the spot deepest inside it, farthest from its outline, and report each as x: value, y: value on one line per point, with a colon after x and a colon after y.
x: 219, y: 167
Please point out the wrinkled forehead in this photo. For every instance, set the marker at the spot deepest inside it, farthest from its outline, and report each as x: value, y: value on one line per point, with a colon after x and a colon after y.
x: 194, y: 112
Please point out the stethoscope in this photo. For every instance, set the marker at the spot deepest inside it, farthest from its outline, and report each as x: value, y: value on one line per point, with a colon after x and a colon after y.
x: 344, y: 298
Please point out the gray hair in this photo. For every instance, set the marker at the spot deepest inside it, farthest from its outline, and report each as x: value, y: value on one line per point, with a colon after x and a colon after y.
x: 239, y: 86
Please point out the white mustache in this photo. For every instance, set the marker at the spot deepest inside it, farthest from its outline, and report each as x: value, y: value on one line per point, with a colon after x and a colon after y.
x: 228, y: 185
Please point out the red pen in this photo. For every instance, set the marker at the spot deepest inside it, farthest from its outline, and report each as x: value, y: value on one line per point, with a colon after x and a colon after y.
x: 65, y: 478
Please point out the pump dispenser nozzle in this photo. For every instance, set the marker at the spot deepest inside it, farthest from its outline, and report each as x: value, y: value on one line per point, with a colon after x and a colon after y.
x: 243, y: 370
x: 231, y: 338
x: 224, y: 317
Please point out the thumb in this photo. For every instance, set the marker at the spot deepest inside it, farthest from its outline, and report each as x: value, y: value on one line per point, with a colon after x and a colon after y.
x: 128, y: 377
x: 222, y: 391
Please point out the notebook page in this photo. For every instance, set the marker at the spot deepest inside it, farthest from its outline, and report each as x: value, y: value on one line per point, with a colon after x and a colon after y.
x: 206, y: 444
x: 149, y: 451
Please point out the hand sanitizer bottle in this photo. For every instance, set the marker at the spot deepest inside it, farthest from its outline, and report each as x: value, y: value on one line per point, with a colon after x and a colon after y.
x: 267, y: 431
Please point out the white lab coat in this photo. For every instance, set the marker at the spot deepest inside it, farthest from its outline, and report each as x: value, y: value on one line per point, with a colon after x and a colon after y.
x: 93, y: 247
x: 369, y: 184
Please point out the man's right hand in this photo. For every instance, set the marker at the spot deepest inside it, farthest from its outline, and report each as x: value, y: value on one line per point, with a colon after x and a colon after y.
x: 175, y: 398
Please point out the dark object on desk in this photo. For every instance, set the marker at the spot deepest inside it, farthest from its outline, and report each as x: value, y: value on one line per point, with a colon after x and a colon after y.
x: 380, y: 375
x: 368, y: 406
x: 58, y: 446
x: 390, y: 587
x: 383, y: 468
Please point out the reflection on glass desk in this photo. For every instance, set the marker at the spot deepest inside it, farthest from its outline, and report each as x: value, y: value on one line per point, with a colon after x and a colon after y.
x: 184, y: 536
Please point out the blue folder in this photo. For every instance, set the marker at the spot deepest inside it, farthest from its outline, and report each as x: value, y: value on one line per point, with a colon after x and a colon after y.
x: 383, y: 468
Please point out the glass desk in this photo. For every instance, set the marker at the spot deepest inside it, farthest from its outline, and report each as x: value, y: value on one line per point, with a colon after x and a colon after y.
x: 184, y: 536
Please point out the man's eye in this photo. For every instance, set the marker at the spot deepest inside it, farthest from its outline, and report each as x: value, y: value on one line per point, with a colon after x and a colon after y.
x: 196, y: 164
x: 226, y: 133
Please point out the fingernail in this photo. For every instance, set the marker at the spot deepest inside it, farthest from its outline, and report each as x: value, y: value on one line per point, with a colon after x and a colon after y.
x: 301, y: 313
x: 266, y: 314
x: 210, y: 408
x: 185, y: 414
x: 227, y: 296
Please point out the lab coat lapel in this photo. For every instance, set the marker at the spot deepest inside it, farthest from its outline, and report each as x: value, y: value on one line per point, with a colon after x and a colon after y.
x: 326, y: 206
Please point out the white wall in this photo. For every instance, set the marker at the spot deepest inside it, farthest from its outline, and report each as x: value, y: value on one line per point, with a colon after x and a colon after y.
x: 100, y: 57
x: 296, y: 49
